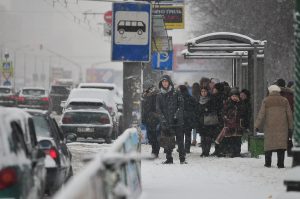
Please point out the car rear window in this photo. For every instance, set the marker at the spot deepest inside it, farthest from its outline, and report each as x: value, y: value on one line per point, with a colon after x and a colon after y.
x: 59, y: 90
x: 41, y: 126
x: 85, y: 118
x: 35, y: 92
x: 4, y: 90
x: 81, y: 105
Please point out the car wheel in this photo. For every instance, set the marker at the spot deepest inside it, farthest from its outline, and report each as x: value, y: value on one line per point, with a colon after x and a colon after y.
x: 70, y: 174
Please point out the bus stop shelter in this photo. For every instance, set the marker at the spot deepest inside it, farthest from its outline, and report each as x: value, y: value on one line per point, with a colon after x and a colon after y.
x: 247, y: 55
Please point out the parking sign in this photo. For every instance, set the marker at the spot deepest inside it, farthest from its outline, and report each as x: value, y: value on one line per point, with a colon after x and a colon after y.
x: 162, y: 60
x: 131, y: 32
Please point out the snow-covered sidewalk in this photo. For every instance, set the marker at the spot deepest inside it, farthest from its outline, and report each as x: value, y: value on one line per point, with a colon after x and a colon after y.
x: 212, y: 178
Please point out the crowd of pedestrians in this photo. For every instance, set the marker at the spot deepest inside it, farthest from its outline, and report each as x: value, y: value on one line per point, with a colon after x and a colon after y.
x: 221, y: 115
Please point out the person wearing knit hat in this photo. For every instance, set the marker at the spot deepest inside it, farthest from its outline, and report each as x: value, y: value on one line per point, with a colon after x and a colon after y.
x: 275, y: 119
x: 231, y: 138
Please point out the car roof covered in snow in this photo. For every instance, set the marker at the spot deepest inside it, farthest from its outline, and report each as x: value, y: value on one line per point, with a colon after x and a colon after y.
x: 33, y: 88
x: 37, y: 111
x: 86, y: 100
x: 8, y: 115
x: 97, y: 85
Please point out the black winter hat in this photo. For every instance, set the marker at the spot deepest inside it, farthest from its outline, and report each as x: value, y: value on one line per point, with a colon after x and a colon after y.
x: 280, y: 82
x: 234, y: 91
x: 247, y: 92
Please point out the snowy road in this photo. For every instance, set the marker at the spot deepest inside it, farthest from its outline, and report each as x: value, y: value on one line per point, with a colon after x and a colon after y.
x: 212, y: 178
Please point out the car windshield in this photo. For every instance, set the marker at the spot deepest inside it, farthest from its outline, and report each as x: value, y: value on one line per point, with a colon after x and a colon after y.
x: 86, y: 118
x: 4, y: 90
x: 35, y: 92
x: 41, y: 126
x: 59, y: 90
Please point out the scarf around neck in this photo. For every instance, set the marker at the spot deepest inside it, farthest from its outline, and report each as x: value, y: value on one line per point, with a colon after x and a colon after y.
x: 203, y: 100
x: 164, y: 91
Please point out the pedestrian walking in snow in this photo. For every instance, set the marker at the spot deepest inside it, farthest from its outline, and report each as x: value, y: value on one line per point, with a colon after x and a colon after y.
x: 189, y: 116
x: 208, y: 121
x: 231, y: 134
x: 170, y: 107
x: 196, y: 96
x: 276, y: 120
x: 149, y: 116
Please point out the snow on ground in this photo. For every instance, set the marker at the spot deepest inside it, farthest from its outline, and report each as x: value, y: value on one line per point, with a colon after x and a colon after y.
x: 81, y: 150
x: 211, y: 177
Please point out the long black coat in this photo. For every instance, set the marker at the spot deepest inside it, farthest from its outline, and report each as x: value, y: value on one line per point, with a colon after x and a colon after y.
x: 170, y: 105
x: 189, y: 113
x: 149, y: 116
x: 204, y: 109
x: 246, y: 113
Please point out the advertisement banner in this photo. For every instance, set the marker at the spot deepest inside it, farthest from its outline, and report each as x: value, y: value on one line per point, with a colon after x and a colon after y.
x: 173, y: 15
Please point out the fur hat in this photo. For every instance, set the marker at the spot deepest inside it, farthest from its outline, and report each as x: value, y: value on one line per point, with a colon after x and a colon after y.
x: 274, y: 88
x: 235, y: 91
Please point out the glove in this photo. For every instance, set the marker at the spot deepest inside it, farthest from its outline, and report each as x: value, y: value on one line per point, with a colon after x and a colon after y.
x: 290, y: 133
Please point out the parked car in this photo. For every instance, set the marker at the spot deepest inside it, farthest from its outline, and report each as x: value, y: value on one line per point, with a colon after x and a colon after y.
x: 103, y: 94
x: 57, y: 95
x: 52, y: 141
x: 86, y: 103
x: 33, y: 98
x: 95, y: 123
x: 22, y: 166
x: 7, y: 96
x: 105, y: 86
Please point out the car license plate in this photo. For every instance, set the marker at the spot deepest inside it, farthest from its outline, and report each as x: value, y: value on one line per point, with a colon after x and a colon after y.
x: 86, y: 129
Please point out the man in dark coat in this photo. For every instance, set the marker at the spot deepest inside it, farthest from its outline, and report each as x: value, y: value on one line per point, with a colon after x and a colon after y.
x: 149, y: 116
x: 189, y: 115
x: 169, y: 106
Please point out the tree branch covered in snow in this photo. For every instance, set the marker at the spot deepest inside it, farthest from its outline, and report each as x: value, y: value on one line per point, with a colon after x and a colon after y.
x: 270, y: 20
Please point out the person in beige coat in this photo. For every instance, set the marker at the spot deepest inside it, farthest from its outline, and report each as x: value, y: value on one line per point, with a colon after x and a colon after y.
x: 275, y: 116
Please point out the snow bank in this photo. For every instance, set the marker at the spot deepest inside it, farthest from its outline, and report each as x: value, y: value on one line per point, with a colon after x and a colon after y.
x: 211, y: 177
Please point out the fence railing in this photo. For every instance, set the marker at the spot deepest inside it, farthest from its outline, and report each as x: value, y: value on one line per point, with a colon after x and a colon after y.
x: 115, y: 174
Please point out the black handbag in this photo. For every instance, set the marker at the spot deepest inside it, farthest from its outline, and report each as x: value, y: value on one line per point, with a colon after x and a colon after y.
x: 210, y: 119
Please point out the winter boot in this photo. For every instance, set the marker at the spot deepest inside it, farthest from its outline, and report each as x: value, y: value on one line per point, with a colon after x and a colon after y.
x: 182, y: 161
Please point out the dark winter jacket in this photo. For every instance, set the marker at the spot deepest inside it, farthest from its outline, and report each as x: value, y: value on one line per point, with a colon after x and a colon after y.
x: 232, y: 118
x: 246, y: 113
x: 169, y: 105
x: 149, y: 116
x: 217, y: 101
x: 189, y: 113
x: 289, y: 95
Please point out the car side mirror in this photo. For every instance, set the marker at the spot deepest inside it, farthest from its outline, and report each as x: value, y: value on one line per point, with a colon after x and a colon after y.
x: 63, y: 104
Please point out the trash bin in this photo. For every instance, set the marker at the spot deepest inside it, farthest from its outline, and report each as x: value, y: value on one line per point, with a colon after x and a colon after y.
x: 256, y: 145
